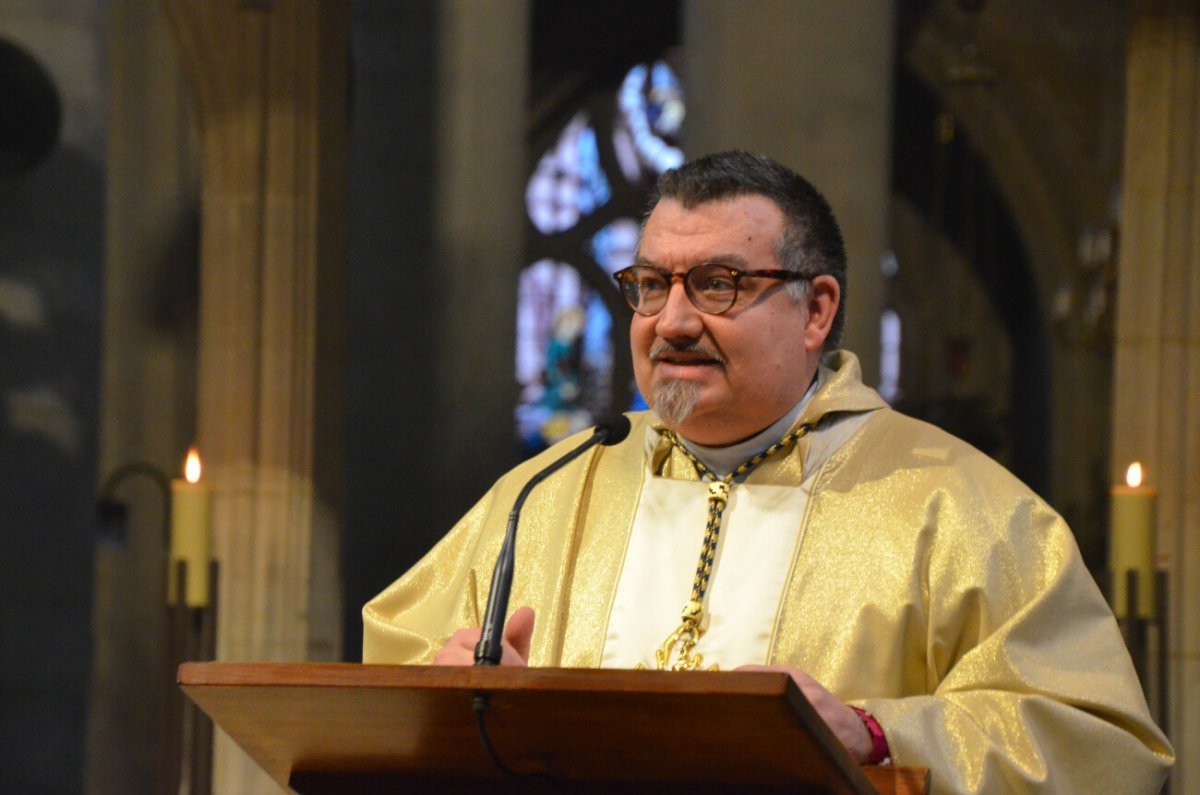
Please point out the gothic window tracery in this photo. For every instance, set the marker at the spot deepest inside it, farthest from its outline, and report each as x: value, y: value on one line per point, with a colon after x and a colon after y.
x: 587, y: 190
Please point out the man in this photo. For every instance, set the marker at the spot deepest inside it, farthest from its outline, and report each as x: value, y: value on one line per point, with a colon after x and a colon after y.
x: 931, y: 608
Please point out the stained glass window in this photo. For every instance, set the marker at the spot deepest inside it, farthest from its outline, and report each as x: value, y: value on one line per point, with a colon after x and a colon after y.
x: 568, y: 183
x: 889, y: 355
x: 588, y: 188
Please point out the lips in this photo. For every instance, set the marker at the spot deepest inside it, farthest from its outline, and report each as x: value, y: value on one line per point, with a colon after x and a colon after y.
x: 676, y: 361
x: 692, y: 353
x: 686, y: 361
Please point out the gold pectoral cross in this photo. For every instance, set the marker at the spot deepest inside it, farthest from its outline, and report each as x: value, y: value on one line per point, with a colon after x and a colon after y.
x: 681, y: 643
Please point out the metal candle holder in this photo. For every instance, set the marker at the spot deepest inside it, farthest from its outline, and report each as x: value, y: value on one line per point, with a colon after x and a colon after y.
x: 187, y: 731
x: 1146, y: 639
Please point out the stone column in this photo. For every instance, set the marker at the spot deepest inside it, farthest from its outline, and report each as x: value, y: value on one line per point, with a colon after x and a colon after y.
x: 149, y: 384
x: 1156, y: 394
x: 270, y: 84
x: 808, y: 83
x: 478, y: 228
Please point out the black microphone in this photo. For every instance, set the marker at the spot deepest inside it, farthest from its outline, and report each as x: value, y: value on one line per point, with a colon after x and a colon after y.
x: 609, y: 430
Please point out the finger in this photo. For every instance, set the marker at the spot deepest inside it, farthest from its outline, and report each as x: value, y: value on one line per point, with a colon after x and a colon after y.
x: 843, y: 721
x: 460, y: 649
x: 519, y: 631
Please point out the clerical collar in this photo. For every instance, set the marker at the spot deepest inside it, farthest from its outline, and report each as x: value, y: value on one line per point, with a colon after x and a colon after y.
x: 723, y: 460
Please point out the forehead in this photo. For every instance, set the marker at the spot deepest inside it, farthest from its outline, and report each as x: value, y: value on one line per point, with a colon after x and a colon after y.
x: 743, y: 227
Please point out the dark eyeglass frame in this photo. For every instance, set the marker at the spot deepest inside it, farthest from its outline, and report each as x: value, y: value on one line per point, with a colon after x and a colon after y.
x: 627, y: 283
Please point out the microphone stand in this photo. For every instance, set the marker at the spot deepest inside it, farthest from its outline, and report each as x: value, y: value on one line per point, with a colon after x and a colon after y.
x: 490, y: 647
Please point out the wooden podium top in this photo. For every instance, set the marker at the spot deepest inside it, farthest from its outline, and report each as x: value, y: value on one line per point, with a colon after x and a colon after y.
x: 376, y: 728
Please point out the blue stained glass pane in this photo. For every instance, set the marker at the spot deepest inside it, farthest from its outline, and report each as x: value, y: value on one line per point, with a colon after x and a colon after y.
x: 594, y: 190
x: 564, y: 354
x: 614, y: 246
x: 665, y: 109
x: 597, y: 342
x: 568, y: 182
x: 651, y: 114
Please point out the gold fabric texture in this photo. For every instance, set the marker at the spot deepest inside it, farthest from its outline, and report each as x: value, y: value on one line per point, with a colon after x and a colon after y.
x: 930, y: 587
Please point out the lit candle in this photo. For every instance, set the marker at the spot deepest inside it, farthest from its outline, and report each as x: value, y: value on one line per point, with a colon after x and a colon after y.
x: 191, y: 534
x: 1133, y: 544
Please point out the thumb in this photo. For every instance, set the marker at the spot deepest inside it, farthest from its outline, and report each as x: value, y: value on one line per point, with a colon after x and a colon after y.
x: 519, y: 631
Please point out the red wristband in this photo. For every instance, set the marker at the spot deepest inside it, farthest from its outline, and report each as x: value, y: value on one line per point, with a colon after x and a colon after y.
x: 880, y: 752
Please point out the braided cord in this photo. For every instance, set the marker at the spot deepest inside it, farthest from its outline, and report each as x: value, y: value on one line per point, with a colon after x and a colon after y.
x: 681, y: 643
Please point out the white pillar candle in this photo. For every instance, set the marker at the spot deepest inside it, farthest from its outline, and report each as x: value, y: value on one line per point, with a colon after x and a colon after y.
x: 1133, y: 543
x: 191, y: 534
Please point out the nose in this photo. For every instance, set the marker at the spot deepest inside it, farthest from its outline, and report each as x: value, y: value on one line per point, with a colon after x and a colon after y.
x: 679, y: 318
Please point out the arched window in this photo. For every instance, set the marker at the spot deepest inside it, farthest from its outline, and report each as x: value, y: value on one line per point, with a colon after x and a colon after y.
x: 586, y: 193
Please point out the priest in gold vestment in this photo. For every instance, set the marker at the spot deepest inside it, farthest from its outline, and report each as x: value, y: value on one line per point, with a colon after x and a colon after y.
x: 932, y: 608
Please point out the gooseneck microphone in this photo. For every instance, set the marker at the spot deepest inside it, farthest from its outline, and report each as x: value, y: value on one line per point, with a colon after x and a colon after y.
x: 608, y: 431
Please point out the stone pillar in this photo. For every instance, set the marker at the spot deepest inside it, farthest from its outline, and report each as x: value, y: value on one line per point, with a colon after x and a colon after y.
x: 270, y: 84
x: 1156, y: 416
x: 149, y: 384
x: 808, y: 83
x: 479, y: 229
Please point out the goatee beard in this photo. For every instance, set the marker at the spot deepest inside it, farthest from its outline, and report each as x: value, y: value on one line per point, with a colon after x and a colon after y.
x: 675, y: 400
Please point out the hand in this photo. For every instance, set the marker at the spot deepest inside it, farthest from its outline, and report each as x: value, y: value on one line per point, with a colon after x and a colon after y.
x: 843, y: 721
x: 518, y: 632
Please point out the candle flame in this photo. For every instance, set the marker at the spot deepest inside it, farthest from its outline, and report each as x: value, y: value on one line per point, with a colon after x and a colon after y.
x: 1133, y: 475
x: 191, y: 468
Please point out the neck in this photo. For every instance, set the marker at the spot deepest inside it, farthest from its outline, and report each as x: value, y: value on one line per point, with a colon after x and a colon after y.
x: 725, y: 458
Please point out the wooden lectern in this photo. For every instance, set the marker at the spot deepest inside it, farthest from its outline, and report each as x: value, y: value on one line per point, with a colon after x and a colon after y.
x: 346, y: 728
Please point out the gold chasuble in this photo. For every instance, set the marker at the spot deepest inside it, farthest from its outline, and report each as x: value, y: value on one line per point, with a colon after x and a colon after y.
x: 929, y: 587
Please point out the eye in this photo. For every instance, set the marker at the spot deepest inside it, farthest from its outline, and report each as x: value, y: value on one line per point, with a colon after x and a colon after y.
x: 715, y: 282
x: 649, y: 281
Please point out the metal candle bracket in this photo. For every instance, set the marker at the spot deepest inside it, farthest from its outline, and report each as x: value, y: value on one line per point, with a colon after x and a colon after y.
x: 1146, y: 639
x: 186, y: 739
x: 186, y: 765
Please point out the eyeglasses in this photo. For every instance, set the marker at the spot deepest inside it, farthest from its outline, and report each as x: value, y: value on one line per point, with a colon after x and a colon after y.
x: 711, y: 288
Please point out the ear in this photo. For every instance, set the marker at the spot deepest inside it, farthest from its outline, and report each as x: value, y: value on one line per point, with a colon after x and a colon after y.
x: 824, y: 297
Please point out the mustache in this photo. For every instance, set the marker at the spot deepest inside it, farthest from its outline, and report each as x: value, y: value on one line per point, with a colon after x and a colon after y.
x: 664, y: 347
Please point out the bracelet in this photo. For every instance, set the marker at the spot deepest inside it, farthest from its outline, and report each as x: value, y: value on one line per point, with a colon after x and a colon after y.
x: 880, y: 752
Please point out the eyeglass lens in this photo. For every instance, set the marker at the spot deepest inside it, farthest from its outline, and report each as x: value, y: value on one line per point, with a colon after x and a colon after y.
x: 711, y: 288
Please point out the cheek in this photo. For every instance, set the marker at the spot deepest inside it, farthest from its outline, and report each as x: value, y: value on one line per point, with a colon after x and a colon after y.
x: 778, y: 354
x: 641, y: 337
